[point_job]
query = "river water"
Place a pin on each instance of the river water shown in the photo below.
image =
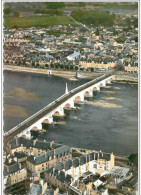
(108, 123)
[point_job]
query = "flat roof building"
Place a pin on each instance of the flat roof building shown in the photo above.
(74, 56)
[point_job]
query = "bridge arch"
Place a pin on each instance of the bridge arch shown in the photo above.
(78, 99)
(95, 88)
(87, 94)
(102, 84)
(56, 113)
(35, 128)
(46, 121)
(67, 105)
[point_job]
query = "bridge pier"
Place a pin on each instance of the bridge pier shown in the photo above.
(98, 88)
(50, 119)
(108, 82)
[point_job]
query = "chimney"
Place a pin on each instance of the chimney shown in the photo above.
(46, 155)
(20, 166)
(64, 165)
(89, 158)
(71, 180)
(86, 158)
(39, 174)
(7, 168)
(53, 170)
(78, 182)
(16, 142)
(15, 159)
(51, 144)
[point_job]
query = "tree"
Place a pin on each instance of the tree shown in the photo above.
(81, 4)
(52, 65)
(133, 158)
(71, 67)
(19, 62)
(62, 66)
(66, 67)
(56, 66)
(97, 32)
(37, 65)
(16, 14)
(42, 35)
(119, 66)
(92, 69)
(115, 32)
(6, 11)
(55, 5)
(24, 62)
(33, 64)
(136, 39)
(121, 39)
(76, 68)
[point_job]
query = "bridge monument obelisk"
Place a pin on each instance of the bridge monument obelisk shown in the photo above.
(66, 91)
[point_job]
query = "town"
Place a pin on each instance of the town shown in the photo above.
(33, 166)
(40, 167)
(74, 47)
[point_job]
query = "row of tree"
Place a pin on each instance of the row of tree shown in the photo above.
(61, 66)
(7, 11)
(56, 66)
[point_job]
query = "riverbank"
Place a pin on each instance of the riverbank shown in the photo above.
(125, 78)
(64, 74)
(120, 77)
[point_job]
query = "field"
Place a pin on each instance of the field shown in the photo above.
(94, 18)
(38, 21)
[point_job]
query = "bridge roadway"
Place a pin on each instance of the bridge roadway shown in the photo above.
(29, 121)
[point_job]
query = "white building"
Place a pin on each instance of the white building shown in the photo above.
(74, 56)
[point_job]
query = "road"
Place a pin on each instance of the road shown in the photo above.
(80, 24)
(31, 120)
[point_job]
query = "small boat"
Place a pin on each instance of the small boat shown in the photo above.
(72, 78)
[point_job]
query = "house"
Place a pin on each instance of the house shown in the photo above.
(97, 65)
(68, 175)
(14, 173)
(46, 160)
(20, 144)
(131, 69)
(74, 56)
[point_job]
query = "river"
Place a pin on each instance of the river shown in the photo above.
(108, 122)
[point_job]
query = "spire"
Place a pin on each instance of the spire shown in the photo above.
(66, 92)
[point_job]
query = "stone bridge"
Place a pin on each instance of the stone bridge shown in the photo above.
(57, 107)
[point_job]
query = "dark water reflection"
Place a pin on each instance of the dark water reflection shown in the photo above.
(94, 127)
